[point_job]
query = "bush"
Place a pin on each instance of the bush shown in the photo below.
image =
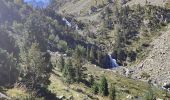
(62, 45)
(149, 95)
(145, 75)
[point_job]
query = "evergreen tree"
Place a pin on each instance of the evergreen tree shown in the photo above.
(95, 88)
(92, 56)
(112, 92)
(88, 53)
(99, 56)
(78, 65)
(8, 68)
(103, 86)
(61, 63)
(36, 69)
(91, 80)
(68, 72)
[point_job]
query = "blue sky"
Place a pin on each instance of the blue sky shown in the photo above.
(38, 3)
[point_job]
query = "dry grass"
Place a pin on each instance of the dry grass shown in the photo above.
(17, 93)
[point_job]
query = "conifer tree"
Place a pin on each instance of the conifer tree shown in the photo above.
(68, 72)
(95, 88)
(61, 63)
(91, 80)
(103, 86)
(92, 56)
(88, 53)
(99, 56)
(36, 70)
(112, 92)
(78, 65)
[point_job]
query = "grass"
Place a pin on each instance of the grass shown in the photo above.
(135, 88)
(167, 5)
(17, 93)
(124, 86)
(82, 6)
(58, 87)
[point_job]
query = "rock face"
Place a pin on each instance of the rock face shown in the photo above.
(157, 64)
(153, 2)
(3, 96)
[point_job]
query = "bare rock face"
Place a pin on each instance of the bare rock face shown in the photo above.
(152, 2)
(3, 96)
(157, 64)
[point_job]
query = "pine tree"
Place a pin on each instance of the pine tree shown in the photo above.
(78, 65)
(112, 92)
(68, 72)
(95, 88)
(88, 53)
(104, 86)
(8, 68)
(36, 66)
(91, 80)
(92, 56)
(99, 56)
(61, 63)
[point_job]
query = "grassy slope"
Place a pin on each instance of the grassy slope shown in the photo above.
(82, 6)
(123, 85)
(135, 88)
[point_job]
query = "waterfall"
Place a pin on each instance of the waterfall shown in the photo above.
(67, 22)
(113, 62)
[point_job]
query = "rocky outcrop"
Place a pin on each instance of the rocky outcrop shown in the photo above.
(152, 2)
(157, 64)
(3, 96)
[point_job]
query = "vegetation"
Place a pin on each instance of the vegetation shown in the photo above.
(61, 63)
(8, 67)
(149, 94)
(35, 40)
(103, 89)
(36, 68)
(95, 88)
(112, 92)
(68, 72)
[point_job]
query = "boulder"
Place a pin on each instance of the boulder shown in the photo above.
(130, 97)
(3, 96)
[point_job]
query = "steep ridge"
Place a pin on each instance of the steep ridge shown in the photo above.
(156, 65)
(80, 7)
(152, 2)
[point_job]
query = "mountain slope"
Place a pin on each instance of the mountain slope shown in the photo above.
(152, 2)
(157, 63)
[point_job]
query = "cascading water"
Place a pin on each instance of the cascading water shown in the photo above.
(67, 22)
(113, 62)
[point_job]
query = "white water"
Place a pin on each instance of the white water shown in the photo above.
(113, 62)
(67, 22)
